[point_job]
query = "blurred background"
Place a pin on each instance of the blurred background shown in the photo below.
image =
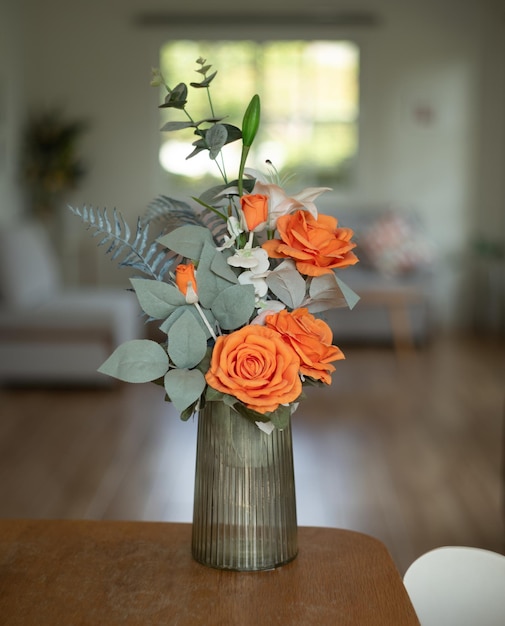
(407, 444)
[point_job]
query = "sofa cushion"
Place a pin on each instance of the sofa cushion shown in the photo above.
(67, 337)
(395, 244)
(23, 247)
(108, 311)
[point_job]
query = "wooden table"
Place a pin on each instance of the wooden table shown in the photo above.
(396, 301)
(93, 573)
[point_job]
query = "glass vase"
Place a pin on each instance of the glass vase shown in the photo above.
(244, 515)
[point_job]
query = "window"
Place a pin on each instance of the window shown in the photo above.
(309, 106)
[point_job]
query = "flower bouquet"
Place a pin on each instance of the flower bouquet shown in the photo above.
(234, 282)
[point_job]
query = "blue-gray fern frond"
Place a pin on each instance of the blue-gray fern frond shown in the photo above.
(167, 214)
(129, 250)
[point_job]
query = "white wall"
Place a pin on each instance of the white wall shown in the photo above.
(444, 57)
(11, 109)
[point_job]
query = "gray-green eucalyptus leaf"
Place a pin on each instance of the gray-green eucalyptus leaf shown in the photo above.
(212, 275)
(170, 126)
(329, 292)
(187, 343)
(136, 361)
(156, 298)
(184, 387)
(234, 306)
(216, 138)
(187, 240)
(287, 284)
(280, 417)
(173, 317)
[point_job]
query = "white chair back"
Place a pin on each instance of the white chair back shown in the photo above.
(458, 586)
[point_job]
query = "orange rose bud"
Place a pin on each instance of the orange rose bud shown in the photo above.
(315, 245)
(311, 339)
(257, 366)
(255, 209)
(185, 275)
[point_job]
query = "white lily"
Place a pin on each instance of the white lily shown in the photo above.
(257, 281)
(254, 259)
(235, 229)
(280, 203)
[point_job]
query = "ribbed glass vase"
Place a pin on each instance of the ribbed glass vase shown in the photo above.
(244, 515)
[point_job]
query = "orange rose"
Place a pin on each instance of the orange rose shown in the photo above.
(255, 210)
(316, 245)
(256, 366)
(184, 275)
(311, 339)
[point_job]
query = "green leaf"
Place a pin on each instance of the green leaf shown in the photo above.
(204, 69)
(187, 343)
(184, 387)
(220, 267)
(190, 308)
(216, 138)
(157, 299)
(351, 297)
(177, 98)
(189, 411)
(287, 284)
(208, 120)
(234, 133)
(280, 417)
(329, 292)
(136, 361)
(234, 306)
(250, 414)
(187, 240)
(229, 400)
(216, 193)
(204, 83)
(213, 395)
(204, 364)
(169, 126)
(200, 145)
(212, 277)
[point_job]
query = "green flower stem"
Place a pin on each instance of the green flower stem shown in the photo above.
(221, 168)
(241, 241)
(210, 100)
(243, 159)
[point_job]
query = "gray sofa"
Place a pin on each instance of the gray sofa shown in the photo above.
(50, 334)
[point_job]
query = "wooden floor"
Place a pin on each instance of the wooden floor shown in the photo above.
(408, 450)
